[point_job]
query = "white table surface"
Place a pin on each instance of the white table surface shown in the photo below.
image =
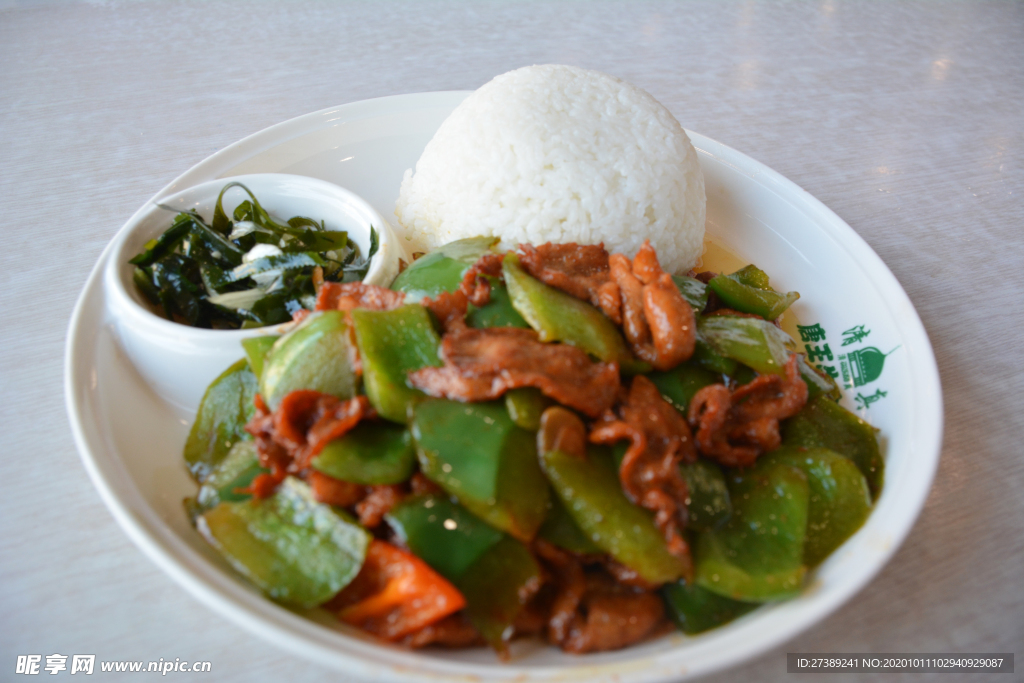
(907, 119)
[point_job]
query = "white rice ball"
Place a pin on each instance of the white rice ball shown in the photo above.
(560, 154)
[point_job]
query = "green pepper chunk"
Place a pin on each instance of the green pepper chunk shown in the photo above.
(296, 550)
(747, 291)
(708, 505)
(557, 316)
(694, 291)
(476, 453)
(560, 529)
(589, 489)
(709, 359)
(441, 270)
(840, 500)
(758, 555)
(753, 342)
(315, 355)
(223, 413)
(256, 351)
(695, 609)
(372, 453)
(825, 424)
(392, 344)
(498, 312)
(236, 471)
(679, 384)
(495, 586)
(818, 383)
(525, 406)
(443, 534)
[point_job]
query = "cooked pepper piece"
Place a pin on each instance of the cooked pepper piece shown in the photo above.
(694, 291)
(557, 316)
(256, 351)
(315, 355)
(679, 384)
(498, 312)
(395, 594)
(695, 609)
(840, 500)
(708, 504)
(227, 481)
(476, 453)
(296, 550)
(444, 534)
(747, 290)
(561, 529)
(709, 359)
(391, 345)
(758, 555)
(818, 383)
(226, 407)
(753, 342)
(586, 481)
(825, 424)
(525, 407)
(373, 453)
(441, 270)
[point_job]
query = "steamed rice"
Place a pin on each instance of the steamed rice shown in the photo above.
(559, 154)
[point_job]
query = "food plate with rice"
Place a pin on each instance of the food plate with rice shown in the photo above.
(130, 440)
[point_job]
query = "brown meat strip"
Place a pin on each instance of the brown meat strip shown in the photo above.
(482, 364)
(337, 296)
(579, 270)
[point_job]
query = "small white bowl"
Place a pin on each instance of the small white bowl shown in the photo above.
(164, 351)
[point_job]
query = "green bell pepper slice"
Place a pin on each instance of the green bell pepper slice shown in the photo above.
(476, 453)
(756, 343)
(557, 316)
(560, 529)
(822, 423)
(372, 453)
(223, 413)
(392, 344)
(840, 500)
(235, 471)
(443, 534)
(695, 609)
(758, 555)
(694, 291)
(708, 505)
(747, 291)
(256, 351)
(525, 406)
(709, 359)
(678, 385)
(589, 489)
(442, 269)
(498, 312)
(315, 355)
(296, 550)
(818, 384)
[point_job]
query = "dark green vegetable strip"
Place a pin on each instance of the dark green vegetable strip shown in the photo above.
(226, 407)
(747, 291)
(494, 588)
(296, 550)
(708, 505)
(694, 291)
(840, 500)
(441, 270)
(392, 344)
(256, 351)
(825, 424)
(695, 609)
(315, 355)
(557, 316)
(374, 452)
(758, 555)
(236, 471)
(476, 453)
(443, 534)
(679, 384)
(525, 407)
(756, 343)
(165, 243)
(589, 489)
(709, 359)
(560, 529)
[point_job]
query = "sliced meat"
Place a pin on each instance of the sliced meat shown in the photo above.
(474, 283)
(377, 503)
(735, 427)
(452, 631)
(339, 296)
(482, 364)
(659, 440)
(579, 270)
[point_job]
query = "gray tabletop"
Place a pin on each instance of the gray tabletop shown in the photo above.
(904, 118)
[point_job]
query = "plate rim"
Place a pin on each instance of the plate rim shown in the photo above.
(301, 636)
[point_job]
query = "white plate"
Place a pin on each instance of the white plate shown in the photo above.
(130, 441)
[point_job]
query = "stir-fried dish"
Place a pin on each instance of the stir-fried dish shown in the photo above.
(554, 441)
